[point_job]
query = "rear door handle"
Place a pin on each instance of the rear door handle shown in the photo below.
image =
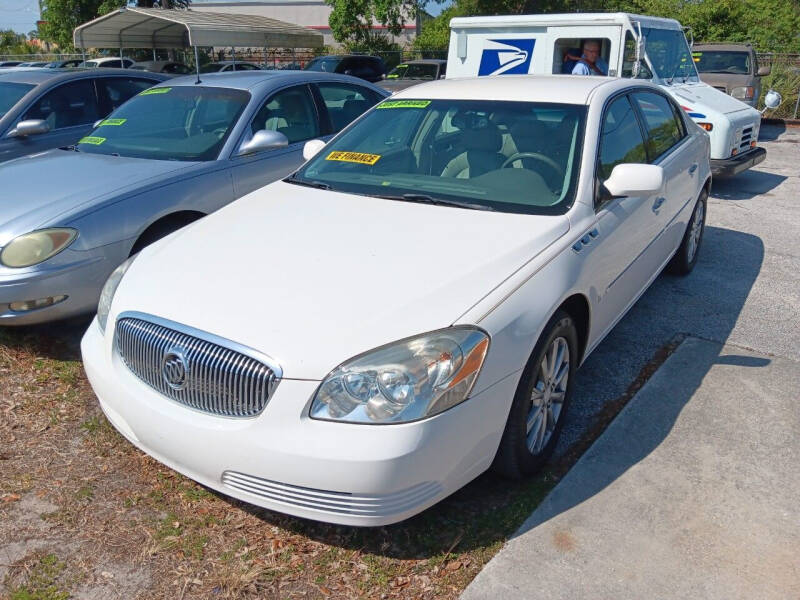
(657, 204)
(692, 169)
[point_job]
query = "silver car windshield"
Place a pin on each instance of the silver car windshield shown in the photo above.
(163, 123)
(413, 71)
(669, 54)
(520, 157)
(10, 94)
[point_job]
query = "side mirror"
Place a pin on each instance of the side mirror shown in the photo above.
(772, 100)
(633, 179)
(764, 71)
(265, 139)
(30, 127)
(312, 148)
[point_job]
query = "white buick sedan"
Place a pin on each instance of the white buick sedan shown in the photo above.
(407, 310)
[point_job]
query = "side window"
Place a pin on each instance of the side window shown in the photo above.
(68, 105)
(246, 67)
(176, 68)
(663, 128)
(115, 91)
(291, 112)
(629, 58)
(345, 102)
(620, 138)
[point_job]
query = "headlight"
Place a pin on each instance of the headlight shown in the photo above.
(404, 381)
(109, 289)
(743, 93)
(37, 246)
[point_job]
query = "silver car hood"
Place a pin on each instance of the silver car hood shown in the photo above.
(39, 189)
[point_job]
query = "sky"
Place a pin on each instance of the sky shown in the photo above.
(19, 15)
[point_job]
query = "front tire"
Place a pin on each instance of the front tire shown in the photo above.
(537, 413)
(686, 257)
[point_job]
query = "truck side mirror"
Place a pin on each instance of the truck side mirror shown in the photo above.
(764, 71)
(772, 100)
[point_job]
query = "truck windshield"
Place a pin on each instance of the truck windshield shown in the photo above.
(669, 54)
(716, 61)
(517, 157)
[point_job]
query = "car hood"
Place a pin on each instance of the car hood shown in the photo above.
(312, 278)
(39, 188)
(727, 80)
(700, 96)
(395, 85)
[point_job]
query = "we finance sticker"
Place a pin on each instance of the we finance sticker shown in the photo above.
(354, 157)
(404, 104)
(112, 122)
(155, 91)
(93, 140)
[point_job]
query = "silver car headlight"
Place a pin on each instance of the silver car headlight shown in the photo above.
(35, 247)
(404, 381)
(745, 92)
(109, 289)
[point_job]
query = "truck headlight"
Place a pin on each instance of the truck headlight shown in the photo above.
(744, 92)
(109, 289)
(404, 381)
(35, 247)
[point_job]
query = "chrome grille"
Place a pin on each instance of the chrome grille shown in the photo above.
(200, 373)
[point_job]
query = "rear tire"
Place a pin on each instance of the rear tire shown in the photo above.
(686, 257)
(540, 403)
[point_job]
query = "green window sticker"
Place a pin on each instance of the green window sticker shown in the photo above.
(115, 122)
(153, 91)
(94, 141)
(404, 104)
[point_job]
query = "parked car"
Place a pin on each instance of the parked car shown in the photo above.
(173, 153)
(69, 63)
(730, 68)
(409, 307)
(9, 63)
(370, 68)
(108, 62)
(44, 108)
(413, 72)
(228, 65)
(35, 64)
(162, 66)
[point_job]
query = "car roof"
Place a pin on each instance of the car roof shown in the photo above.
(563, 89)
(36, 76)
(251, 80)
(425, 61)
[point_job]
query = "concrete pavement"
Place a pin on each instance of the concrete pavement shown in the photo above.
(690, 493)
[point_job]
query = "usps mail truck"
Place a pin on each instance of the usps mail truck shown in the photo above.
(634, 46)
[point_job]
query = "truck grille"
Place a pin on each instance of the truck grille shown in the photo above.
(721, 88)
(746, 138)
(196, 372)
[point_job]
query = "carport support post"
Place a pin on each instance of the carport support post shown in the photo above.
(154, 54)
(197, 64)
(233, 56)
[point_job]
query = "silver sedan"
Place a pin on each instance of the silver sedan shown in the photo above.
(169, 156)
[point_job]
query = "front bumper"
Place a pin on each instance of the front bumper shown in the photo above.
(733, 166)
(282, 460)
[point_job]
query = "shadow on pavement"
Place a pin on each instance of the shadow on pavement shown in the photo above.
(771, 131)
(746, 186)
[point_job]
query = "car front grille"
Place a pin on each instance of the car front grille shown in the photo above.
(202, 374)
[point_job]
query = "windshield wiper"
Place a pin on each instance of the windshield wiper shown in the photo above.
(312, 184)
(425, 199)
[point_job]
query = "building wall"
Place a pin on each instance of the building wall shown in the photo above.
(308, 13)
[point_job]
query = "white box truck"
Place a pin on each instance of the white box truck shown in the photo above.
(634, 46)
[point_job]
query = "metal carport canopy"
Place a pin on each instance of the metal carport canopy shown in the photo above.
(162, 28)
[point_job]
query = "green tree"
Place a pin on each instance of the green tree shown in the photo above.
(12, 42)
(62, 16)
(351, 21)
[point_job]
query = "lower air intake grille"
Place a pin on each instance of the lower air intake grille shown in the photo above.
(198, 373)
(342, 503)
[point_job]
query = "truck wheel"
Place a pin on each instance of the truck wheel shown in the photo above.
(685, 258)
(540, 403)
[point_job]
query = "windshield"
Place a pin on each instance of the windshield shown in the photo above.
(10, 94)
(413, 71)
(519, 157)
(718, 61)
(162, 123)
(669, 54)
(327, 64)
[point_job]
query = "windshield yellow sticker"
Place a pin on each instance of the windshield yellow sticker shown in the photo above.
(153, 91)
(115, 122)
(94, 141)
(404, 104)
(354, 157)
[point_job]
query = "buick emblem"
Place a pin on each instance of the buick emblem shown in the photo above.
(175, 368)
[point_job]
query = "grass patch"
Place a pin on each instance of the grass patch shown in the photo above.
(43, 581)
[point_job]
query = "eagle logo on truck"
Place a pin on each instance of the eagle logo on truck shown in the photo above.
(506, 57)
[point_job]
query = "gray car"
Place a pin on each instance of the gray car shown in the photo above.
(413, 72)
(47, 108)
(172, 154)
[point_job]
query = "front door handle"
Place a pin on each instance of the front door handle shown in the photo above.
(692, 169)
(657, 204)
